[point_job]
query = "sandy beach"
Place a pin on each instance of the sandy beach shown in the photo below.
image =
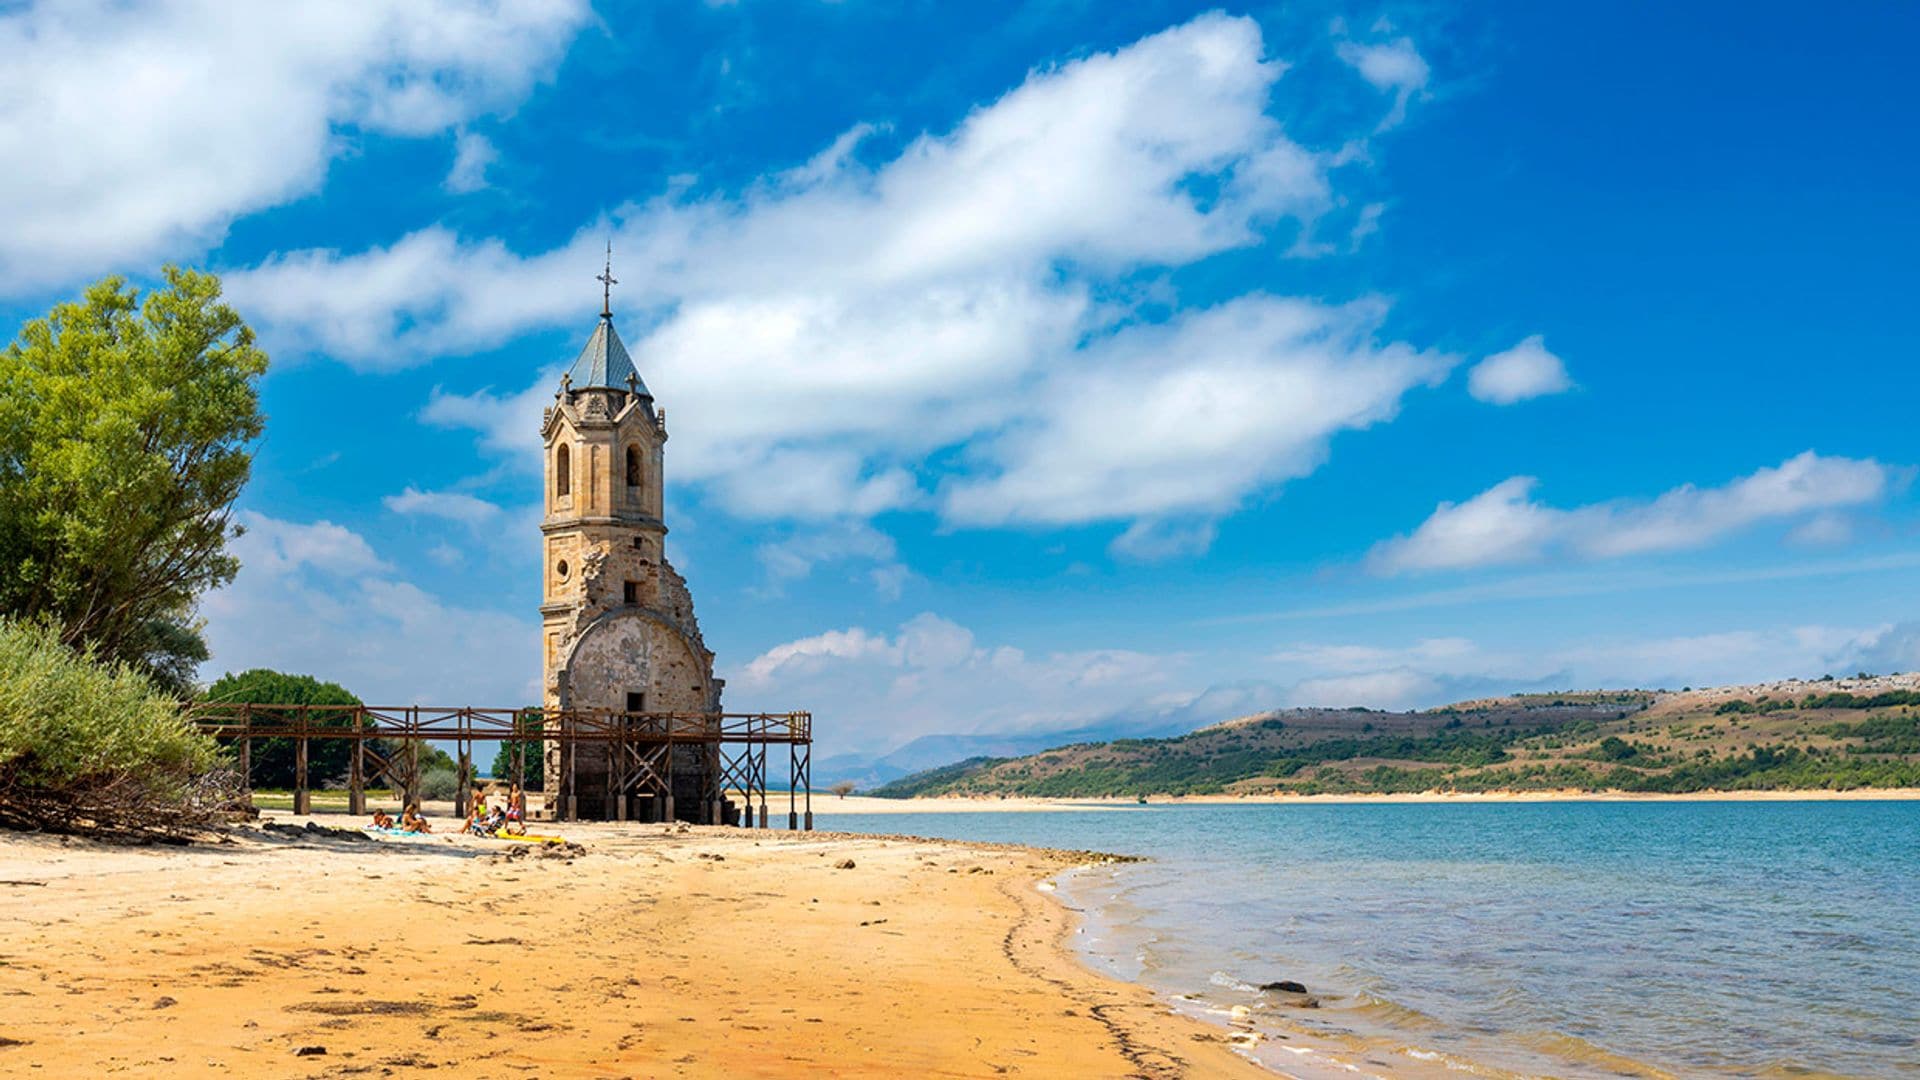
(653, 951)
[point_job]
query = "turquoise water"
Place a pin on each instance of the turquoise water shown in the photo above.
(1566, 938)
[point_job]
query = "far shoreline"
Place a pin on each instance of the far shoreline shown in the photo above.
(962, 804)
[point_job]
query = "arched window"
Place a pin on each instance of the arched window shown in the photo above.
(562, 471)
(633, 466)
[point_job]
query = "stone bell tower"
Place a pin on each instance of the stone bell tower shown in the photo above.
(618, 631)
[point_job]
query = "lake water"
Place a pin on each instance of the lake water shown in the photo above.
(1564, 938)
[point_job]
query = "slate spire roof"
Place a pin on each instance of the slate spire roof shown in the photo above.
(605, 363)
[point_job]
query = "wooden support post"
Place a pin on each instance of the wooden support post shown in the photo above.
(666, 804)
(462, 798)
(356, 772)
(246, 764)
(572, 751)
(763, 785)
(413, 769)
(302, 798)
(793, 769)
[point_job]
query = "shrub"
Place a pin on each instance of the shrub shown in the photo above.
(86, 745)
(1615, 748)
(439, 784)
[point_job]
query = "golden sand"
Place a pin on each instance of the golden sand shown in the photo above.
(657, 952)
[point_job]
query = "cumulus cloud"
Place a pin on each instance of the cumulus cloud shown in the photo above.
(1881, 650)
(1504, 524)
(1525, 371)
(796, 555)
(1260, 386)
(829, 331)
(1442, 670)
(472, 154)
(451, 505)
(1393, 67)
(1156, 540)
(278, 547)
(314, 598)
(932, 676)
(151, 126)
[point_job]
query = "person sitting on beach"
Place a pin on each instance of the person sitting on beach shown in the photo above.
(412, 822)
(476, 810)
(382, 819)
(482, 822)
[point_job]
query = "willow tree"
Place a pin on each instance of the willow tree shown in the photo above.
(126, 431)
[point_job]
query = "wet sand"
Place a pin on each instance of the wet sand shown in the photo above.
(655, 952)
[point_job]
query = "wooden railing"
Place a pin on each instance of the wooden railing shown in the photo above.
(638, 750)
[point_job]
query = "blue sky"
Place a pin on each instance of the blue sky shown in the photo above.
(1033, 366)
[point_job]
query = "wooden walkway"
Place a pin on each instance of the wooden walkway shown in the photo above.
(639, 749)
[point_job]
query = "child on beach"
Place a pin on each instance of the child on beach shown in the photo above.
(412, 822)
(476, 809)
(382, 819)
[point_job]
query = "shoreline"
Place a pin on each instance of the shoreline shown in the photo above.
(649, 950)
(825, 809)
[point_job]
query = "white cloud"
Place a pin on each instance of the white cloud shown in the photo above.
(1095, 162)
(151, 126)
(796, 555)
(933, 677)
(1394, 67)
(831, 329)
(809, 654)
(472, 154)
(1504, 524)
(1444, 670)
(1525, 371)
(1823, 530)
(277, 547)
(1157, 540)
(1355, 659)
(451, 505)
(1499, 525)
(1190, 417)
(890, 580)
(1882, 650)
(1392, 689)
(315, 599)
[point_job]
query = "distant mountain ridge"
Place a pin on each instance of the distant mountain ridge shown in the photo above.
(1788, 735)
(931, 751)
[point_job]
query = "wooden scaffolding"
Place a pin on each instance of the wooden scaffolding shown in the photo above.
(639, 751)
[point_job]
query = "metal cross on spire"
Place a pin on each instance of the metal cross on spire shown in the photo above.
(607, 282)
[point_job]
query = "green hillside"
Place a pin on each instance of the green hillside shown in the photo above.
(1828, 735)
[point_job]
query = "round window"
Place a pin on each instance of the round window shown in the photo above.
(561, 569)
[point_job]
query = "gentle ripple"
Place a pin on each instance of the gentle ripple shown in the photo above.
(1571, 938)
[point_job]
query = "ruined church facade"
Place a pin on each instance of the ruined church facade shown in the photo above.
(618, 632)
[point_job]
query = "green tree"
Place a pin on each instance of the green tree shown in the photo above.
(327, 759)
(523, 760)
(126, 428)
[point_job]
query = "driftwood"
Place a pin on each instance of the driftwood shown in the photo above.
(122, 803)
